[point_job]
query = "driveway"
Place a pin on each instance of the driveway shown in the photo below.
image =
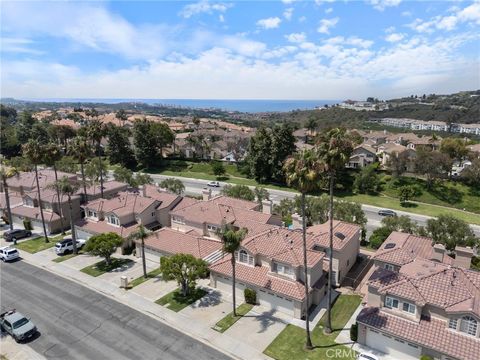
(154, 289)
(257, 329)
(209, 309)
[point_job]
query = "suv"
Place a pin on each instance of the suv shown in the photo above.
(214, 184)
(385, 212)
(66, 245)
(8, 253)
(17, 325)
(16, 234)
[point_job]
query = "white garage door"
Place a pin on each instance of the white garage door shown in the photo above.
(276, 302)
(396, 348)
(82, 234)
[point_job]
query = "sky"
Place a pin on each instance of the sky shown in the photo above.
(238, 49)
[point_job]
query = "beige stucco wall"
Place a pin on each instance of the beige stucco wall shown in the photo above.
(344, 260)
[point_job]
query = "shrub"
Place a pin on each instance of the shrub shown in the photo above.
(354, 332)
(378, 237)
(426, 357)
(27, 224)
(250, 296)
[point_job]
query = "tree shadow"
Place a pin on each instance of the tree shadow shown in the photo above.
(222, 178)
(448, 194)
(408, 204)
(213, 298)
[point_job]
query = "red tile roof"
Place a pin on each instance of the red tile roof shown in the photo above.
(98, 227)
(34, 213)
(45, 177)
(166, 199)
(321, 233)
(125, 203)
(430, 333)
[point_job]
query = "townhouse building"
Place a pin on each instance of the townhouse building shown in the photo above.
(421, 301)
(363, 155)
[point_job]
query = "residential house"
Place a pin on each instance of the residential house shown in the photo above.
(421, 301)
(376, 137)
(110, 188)
(363, 155)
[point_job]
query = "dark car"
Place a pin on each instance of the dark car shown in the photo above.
(16, 234)
(385, 212)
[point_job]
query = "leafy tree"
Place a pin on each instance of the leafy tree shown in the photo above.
(283, 145)
(433, 164)
(122, 116)
(397, 163)
(142, 178)
(68, 188)
(67, 164)
(61, 134)
(185, 269)
(103, 245)
(285, 209)
(231, 240)
(7, 172)
(239, 192)
(302, 172)
(238, 147)
(9, 143)
(119, 150)
(218, 168)
(451, 231)
(24, 126)
(141, 234)
(96, 170)
(258, 158)
(52, 154)
(34, 152)
(378, 236)
(173, 185)
(81, 151)
(95, 132)
(471, 174)
(21, 163)
(408, 192)
(334, 149)
(261, 194)
(455, 148)
(149, 139)
(311, 124)
(123, 174)
(401, 223)
(39, 132)
(367, 180)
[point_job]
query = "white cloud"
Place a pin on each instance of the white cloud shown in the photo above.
(390, 29)
(203, 6)
(302, 19)
(18, 45)
(269, 23)
(381, 5)
(406, 13)
(394, 37)
(296, 37)
(287, 14)
(328, 11)
(221, 18)
(288, 2)
(327, 24)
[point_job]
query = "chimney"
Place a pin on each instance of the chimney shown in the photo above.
(438, 252)
(144, 190)
(296, 221)
(267, 206)
(463, 257)
(207, 194)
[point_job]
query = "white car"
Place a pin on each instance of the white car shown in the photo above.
(66, 245)
(214, 184)
(366, 356)
(8, 253)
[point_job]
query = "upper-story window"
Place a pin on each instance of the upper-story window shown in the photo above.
(212, 227)
(178, 220)
(112, 219)
(452, 324)
(389, 267)
(282, 269)
(92, 214)
(28, 202)
(391, 302)
(468, 325)
(244, 257)
(410, 308)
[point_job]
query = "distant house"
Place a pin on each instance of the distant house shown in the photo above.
(363, 155)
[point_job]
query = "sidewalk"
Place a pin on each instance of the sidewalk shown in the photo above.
(13, 351)
(223, 342)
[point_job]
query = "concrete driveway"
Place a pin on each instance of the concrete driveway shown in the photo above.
(209, 309)
(257, 329)
(154, 289)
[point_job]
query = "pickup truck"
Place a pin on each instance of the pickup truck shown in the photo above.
(17, 325)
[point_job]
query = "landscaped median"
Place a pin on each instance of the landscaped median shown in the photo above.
(289, 344)
(101, 267)
(140, 280)
(37, 244)
(175, 301)
(224, 324)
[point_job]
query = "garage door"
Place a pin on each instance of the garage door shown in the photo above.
(276, 302)
(82, 234)
(394, 347)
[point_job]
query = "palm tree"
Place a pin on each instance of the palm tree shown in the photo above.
(81, 151)
(333, 149)
(141, 234)
(68, 188)
(53, 154)
(303, 172)
(231, 239)
(34, 151)
(95, 132)
(6, 173)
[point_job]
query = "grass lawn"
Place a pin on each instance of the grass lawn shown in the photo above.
(38, 244)
(289, 343)
(229, 320)
(63, 258)
(140, 280)
(176, 302)
(101, 267)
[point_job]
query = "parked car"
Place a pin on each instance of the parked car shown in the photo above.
(66, 245)
(16, 234)
(214, 184)
(8, 253)
(366, 356)
(17, 325)
(386, 212)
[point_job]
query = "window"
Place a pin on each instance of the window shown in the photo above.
(389, 267)
(112, 219)
(282, 269)
(468, 325)
(212, 227)
(410, 308)
(244, 257)
(153, 214)
(92, 214)
(391, 302)
(452, 324)
(28, 202)
(178, 220)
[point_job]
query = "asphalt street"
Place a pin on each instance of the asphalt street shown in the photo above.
(77, 323)
(195, 186)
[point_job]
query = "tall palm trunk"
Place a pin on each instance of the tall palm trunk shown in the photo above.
(144, 264)
(72, 225)
(7, 200)
(233, 285)
(84, 182)
(308, 344)
(58, 199)
(101, 170)
(40, 205)
(328, 327)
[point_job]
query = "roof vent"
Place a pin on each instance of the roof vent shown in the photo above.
(390, 246)
(340, 235)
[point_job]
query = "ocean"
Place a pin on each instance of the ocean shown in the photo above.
(228, 105)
